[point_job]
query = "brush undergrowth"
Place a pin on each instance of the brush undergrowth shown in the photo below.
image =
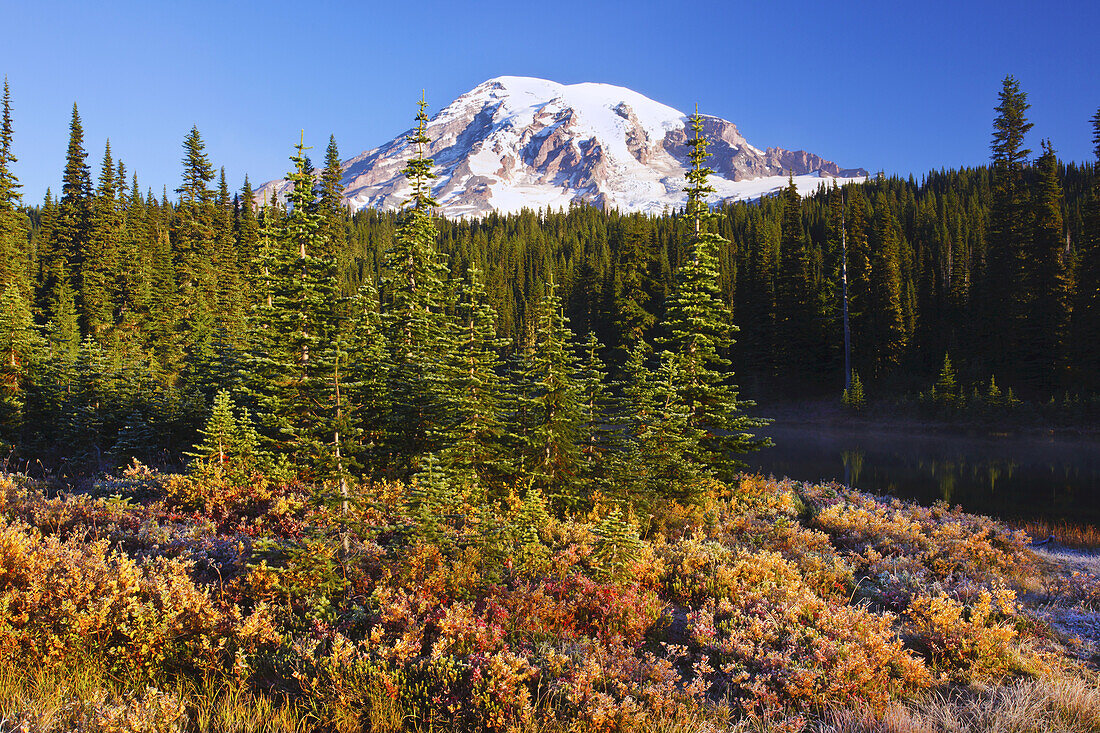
(171, 603)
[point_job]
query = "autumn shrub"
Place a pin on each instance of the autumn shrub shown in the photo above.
(901, 549)
(966, 642)
(1077, 588)
(771, 642)
(64, 600)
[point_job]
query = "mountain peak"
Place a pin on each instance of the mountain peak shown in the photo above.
(517, 142)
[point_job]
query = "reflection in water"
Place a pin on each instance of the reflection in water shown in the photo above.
(853, 466)
(1011, 477)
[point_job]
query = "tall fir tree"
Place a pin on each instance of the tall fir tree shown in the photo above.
(193, 248)
(72, 220)
(700, 330)
(299, 372)
(474, 432)
(794, 291)
(14, 264)
(1049, 312)
(548, 418)
(657, 456)
(1006, 288)
(633, 285)
(414, 309)
(230, 301)
(331, 205)
(1085, 322)
(99, 258)
(887, 320)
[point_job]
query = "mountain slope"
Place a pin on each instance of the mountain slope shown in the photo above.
(515, 142)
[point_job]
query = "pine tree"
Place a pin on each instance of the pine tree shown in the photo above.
(633, 285)
(946, 388)
(14, 265)
(228, 438)
(99, 258)
(657, 459)
(887, 321)
(72, 219)
(431, 501)
(860, 300)
(230, 303)
(474, 431)
(595, 403)
(367, 380)
(414, 317)
(700, 330)
(794, 290)
(1048, 274)
(617, 545)
(547, 423)
(193, 247)
(331, 205)
(134, 265)
(1006, 289)
(246, 233)
(1086, 305)
(20, 348)
(301, 357)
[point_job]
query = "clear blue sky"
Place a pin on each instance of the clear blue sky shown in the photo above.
(901, 87)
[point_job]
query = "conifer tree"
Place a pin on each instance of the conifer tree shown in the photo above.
(657, 460)
(134, 265)
(227, 438)
(193, 247)
(230, 305)
(1005, 286)
(300, 366)
(887, 320)
(415, 321)
(331, 205)
(700, 330)
(99, 258)
(633, 285)
(474, 431)
(794, 313)
(20, 348)
(860, 301)
(246, 233)
(617, 545)
(548, 409)
(946, 388)
(14, 265)
(1048, 274)
(595, 403)
(72, 219)
(1086, 304)
(367, 381)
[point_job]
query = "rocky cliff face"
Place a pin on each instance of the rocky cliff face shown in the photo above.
(516, 142)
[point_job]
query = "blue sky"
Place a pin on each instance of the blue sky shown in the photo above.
(900, 87)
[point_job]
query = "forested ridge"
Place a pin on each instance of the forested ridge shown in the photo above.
(125, 312)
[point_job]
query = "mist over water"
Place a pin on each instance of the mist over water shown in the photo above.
(1017, 477)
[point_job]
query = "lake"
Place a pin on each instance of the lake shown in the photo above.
(1016, 477)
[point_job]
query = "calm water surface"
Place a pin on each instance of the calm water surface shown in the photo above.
(1021, 476)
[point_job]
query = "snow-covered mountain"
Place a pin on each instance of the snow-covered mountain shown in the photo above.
(515, 142)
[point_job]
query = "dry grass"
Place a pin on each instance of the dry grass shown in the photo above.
(232, 708)
(45, 700)
(1079, 536)
(1059, 705)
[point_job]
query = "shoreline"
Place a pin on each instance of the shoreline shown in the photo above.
(904, 420)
